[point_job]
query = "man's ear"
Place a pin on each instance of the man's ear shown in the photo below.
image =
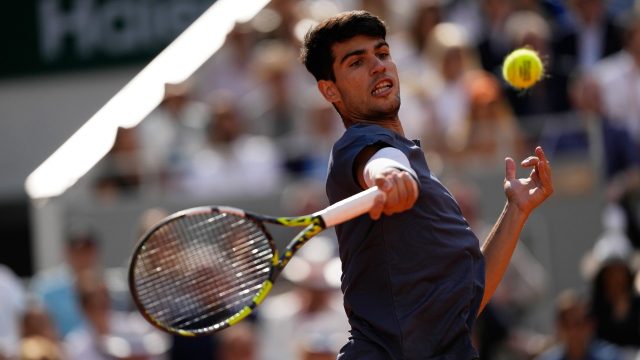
(329, 90)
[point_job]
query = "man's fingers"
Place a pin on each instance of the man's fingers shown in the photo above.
(510, 169)
(383, 183)
(412, 190)
(393, 199)
(540, 154)
(381, 199)
(544, 170)
(402, 190)
(378, 206)
(530, 161)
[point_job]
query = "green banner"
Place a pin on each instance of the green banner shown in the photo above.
(54, 35)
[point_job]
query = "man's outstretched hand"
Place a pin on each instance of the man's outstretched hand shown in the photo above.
(527, 193)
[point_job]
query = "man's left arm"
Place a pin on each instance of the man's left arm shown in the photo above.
(523, 196)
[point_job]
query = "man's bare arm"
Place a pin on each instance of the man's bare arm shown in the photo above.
(523, 196)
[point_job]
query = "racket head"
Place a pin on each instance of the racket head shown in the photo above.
(201, 270)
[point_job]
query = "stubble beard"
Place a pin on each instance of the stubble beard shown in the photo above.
(386, 112)
(370, 112)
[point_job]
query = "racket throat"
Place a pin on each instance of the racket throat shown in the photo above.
(307, 233)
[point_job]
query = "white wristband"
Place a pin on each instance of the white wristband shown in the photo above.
(383, 159)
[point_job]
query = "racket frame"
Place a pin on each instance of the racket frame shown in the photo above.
(313, 225)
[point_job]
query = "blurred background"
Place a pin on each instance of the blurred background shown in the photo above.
(248, 128)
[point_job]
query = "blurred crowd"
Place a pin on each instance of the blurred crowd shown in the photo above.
(250, 123)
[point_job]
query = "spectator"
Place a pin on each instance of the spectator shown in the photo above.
(612, 243)
(55, 287)
(588, 130)
(494, 44)
(171, 135)
(12, 306)
(109, 334)
(417, 71)
(454, 57)
(230, 69)
(619, 77)
(465, 13)
(616, 306)
(490, 131)
(594, 36)
(380, 8)
(307, 150)
(554, 11)
(274, 107)
(427, 15)
(120, 170)
(289, 14)
(575, 333)
(238, 343)
(233, 163)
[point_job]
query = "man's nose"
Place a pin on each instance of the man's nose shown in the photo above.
(377, 66)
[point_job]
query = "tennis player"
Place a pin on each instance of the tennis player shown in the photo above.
(414, 276)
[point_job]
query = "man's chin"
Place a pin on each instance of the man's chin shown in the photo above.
(389, 111)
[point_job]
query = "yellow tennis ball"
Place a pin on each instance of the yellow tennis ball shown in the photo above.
(522, 68)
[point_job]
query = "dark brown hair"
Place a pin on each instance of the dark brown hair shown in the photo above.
(316, 52)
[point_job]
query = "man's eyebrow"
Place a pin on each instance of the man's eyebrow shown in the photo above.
(380, 44)
(356, 52)
(350, 54)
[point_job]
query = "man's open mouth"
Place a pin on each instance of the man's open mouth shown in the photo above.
(381, 87)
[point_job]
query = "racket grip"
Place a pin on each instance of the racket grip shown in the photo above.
(350, 207)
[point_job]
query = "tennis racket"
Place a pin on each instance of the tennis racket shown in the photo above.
(204, 269)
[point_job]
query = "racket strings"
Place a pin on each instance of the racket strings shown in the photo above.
(216, 262)
(195, 281)
(256, 266)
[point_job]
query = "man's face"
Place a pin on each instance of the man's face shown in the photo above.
(366, 85)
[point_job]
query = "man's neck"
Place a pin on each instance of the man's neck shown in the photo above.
(392, 124)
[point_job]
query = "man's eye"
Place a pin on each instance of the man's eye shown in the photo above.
(383, 55)
(356, 63)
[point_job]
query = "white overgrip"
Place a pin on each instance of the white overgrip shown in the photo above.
(350, 207)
